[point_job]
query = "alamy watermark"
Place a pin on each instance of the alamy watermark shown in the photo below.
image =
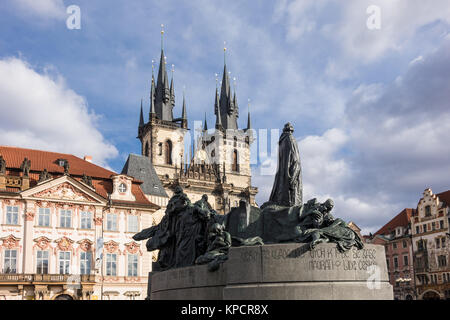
(374, 280)
(73, 22)
(374, 20)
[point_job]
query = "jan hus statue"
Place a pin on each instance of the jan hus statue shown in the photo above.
(287, 186)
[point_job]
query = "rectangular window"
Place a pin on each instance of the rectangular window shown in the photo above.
(132, 265)
(404, 244)
(10, 261)
(65, 218)
(427, 211)
(405, 261)
(433, 226)
(85, 262)
(111, 222)
(12, 215)
(442, 261)
(438, 243)
(441, 224)
(417, 230)
(86, 220)
(42, 262)
(44, 217)
(395, 262)
(111, 264)
(133, 223)
(64, 262)
(443, 242)
(394, 245)
(424, 228)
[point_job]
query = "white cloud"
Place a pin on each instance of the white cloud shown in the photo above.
(42, 8)
(40, 112)
(346, 23)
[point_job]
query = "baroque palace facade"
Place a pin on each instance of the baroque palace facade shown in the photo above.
(66, 225)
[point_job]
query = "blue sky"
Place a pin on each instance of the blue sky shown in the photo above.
(370, 107)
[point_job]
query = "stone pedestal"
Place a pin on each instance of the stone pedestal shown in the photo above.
(282, 271)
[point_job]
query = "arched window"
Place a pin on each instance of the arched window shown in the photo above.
(146, 151)
(168, 150)
(235, 164)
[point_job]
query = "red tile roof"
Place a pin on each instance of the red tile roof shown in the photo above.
(402, 219)
(445, 197)
(40, 160)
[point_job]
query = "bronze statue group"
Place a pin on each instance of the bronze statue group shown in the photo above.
(190, 234)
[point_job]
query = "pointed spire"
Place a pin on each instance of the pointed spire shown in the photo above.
(217, 111)
(205, 125)
(141, 118)
(249, 125)
(172, 92)
(183, 113)
(162, 93)
(152, 96)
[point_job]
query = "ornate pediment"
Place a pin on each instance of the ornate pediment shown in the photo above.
(64, 244)
(10, 242)
(133, 248)
(85, 244)
(42, 242)
(64, 191)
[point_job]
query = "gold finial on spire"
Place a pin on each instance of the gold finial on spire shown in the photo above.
(217, 79)
(224, 51)
(165, 60)
(234, 83)
(173, 69)
(162, 35)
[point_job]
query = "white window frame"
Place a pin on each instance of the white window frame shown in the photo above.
(85, 262)
(86, 220)
(43, 214)
(111, 222)
(67, 216)
(40, 260)
(8, 259)
(133, 265)
(12, 215)
(64, 259)
(135, 223)
(111, 264)
(122, 187)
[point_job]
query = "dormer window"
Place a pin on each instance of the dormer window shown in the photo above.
(61, 162)
(122, 188)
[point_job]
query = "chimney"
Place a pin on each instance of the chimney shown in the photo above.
(88, 158)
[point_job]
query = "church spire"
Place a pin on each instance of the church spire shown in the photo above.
(226, 102)
(249, 125)
(172, 89)
(217, 111)
(163, 107)
(184, 114)
(141, 118)
(152, 95)
(205, 124)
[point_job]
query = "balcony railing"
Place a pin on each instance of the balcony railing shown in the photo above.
(61, 278)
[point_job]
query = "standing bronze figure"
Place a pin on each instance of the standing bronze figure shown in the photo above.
(287, 187)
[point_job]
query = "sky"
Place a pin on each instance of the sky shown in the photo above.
(367, 92)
